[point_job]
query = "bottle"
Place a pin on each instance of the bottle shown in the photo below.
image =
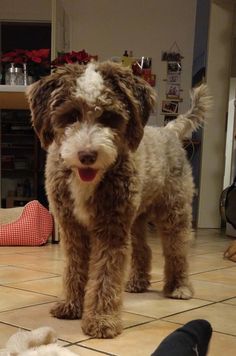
(127, 60)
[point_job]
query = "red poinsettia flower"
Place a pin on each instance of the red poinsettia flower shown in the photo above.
(36, 59)
(25, 56)
(81, 57)
(43, 53)
(8, 57)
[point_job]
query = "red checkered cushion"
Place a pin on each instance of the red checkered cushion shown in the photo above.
(32, 228)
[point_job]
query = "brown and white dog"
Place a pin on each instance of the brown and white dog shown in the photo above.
(105, 177)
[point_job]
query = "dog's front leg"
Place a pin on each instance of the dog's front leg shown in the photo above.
(175, 231)
(76, 246)
(103, 298)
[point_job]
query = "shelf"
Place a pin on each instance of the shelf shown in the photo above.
(12, 88)
(13, 97)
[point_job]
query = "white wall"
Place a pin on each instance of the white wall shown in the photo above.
(108, 27)
(213, 145)
(27, 10)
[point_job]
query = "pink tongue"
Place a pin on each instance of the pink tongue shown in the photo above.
(87, 174)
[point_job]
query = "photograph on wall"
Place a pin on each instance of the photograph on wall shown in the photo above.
(169, 106)
(173, 78)
(172, 91)
(173, 67)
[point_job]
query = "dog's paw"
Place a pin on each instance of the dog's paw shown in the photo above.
(66, 310)
(102, 326)
(230, 253)
(182, 292)
(137, 285)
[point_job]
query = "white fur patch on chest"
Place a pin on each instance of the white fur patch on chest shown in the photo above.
(90, 84)
(80, 194)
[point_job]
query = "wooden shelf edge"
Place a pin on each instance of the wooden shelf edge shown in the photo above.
(13, 100)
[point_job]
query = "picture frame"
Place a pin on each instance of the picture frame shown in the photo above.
(170, 107)
(173, 78)
(174, 67)
(173, 91)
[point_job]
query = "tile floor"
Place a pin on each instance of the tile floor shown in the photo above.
(30, 282)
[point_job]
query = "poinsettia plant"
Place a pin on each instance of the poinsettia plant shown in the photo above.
(80, 57)
(20, 56)
(37, 60)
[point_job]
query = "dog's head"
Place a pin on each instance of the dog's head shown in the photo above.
(92, 113)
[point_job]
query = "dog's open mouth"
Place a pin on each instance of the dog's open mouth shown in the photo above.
(87, 174)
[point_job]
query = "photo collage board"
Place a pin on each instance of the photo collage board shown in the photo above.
(170, 105)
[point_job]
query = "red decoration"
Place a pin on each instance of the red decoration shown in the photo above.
(20, 56)
(81, 57)
(37, 61)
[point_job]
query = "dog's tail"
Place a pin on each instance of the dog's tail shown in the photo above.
(195, 117)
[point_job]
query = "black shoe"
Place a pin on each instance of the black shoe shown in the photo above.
(192, 339)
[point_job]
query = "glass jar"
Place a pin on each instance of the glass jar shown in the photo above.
(14, 76)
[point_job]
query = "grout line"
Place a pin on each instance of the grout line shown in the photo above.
(223, 301)
(142, 323)
(57, 259)
(25, 307)
(30, 269)
(211, 270)
(15, 326)
(195, 308)
(27, 290)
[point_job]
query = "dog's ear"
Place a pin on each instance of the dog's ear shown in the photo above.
(137, 96)
(39, 96)
(141, 109)
(46, 95)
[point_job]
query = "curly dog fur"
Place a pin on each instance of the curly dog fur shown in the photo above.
(105, 176)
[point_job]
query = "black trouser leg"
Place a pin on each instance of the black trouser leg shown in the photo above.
(192, 339)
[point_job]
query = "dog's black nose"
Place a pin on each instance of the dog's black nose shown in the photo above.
(87, 157)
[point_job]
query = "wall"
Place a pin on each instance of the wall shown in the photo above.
(26, 10)
(108, 27)
(213, 146)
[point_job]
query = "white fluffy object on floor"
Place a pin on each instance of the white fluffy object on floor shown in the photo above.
(38, 342)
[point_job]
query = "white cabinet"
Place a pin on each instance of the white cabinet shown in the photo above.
(230, 146)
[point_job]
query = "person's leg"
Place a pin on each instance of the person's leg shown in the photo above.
(192, 339)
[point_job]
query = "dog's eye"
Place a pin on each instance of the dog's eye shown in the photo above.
(111, 119)
(68, 118)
